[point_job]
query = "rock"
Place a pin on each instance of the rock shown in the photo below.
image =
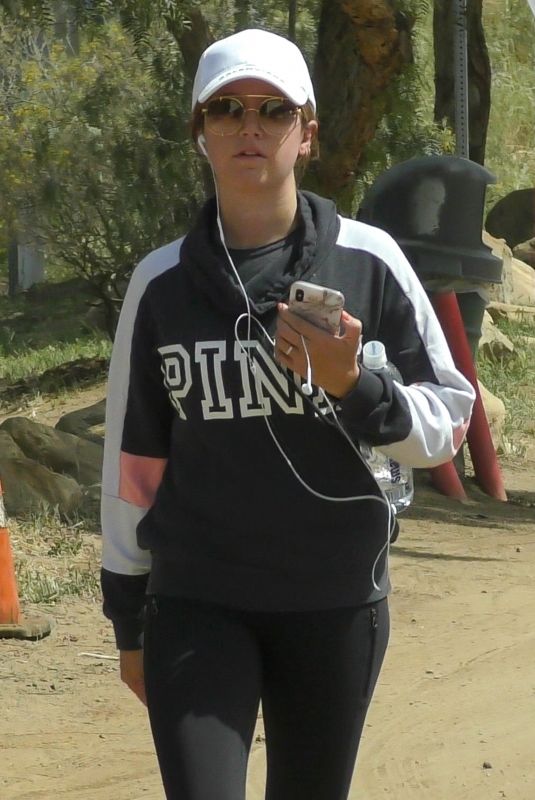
(90, 503)
(526, 252)
(509, 311)
(43, 467)
(60, 452)
(493, 343)
(31, 487)
(495, 413)
(523, 284)
(80, 422)
(8, 448)
(518, 279)
(528, 341)
(500, 291)
(513, 217)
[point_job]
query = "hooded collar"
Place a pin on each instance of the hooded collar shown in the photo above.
(203, 256)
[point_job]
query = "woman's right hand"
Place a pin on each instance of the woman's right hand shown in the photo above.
(131, 666)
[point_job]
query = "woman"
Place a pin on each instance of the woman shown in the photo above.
(236, 508)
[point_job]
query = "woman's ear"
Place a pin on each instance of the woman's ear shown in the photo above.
(310, 131)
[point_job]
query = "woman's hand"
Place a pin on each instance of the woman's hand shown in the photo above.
(131, 666)
(333, 359)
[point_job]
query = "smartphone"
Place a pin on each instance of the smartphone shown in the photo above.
(317, 304)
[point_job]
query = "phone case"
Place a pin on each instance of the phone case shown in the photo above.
(317, 304)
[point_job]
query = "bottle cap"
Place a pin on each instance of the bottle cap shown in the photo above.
(374, 355)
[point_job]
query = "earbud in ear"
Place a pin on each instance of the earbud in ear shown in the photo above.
(201, 144)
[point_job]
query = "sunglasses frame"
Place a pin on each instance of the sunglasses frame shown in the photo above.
(296, 111)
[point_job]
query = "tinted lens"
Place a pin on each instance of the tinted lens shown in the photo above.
(277, 115)
(224, 115)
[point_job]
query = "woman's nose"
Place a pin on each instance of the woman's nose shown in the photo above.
(250, 121)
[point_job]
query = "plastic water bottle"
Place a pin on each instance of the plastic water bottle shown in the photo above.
(396, 480)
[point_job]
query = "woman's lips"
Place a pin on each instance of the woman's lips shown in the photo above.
(249, 154)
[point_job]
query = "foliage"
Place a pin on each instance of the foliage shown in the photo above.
(97, 158)
(511, 138)
(106, 171)
(408, 129)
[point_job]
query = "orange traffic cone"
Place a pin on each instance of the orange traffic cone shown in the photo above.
(9, 599)
(12, 625)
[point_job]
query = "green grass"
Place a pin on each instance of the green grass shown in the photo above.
(26, 363)
(45, 328)
(512, 379)
(510, 34)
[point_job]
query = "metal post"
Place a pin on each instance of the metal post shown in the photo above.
(460, 46)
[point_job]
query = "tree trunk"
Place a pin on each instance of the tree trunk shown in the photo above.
(479, 73)
(192, 41)
(292, 19)
(362, 46)
(242, 14)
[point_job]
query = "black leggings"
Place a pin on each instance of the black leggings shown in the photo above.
(207, 668)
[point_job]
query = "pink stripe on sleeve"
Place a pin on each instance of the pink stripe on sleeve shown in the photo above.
(140, 479)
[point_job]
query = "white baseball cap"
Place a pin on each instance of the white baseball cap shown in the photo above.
(254, 54)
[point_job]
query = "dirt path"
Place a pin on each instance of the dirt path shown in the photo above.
(452, 718)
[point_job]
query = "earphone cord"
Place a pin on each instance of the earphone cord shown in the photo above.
(306, 390)
(330, 498)
(237, 274)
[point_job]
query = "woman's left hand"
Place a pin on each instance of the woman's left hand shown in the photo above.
(333, 358)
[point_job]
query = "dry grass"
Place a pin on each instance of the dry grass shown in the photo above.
(513, 380)
(54, 558)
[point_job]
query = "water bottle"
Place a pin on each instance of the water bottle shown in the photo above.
(396, 480)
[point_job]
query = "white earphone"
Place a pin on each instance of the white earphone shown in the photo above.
(307, 387)
(201, 144)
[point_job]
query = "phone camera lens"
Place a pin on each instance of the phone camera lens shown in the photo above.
(299, 295)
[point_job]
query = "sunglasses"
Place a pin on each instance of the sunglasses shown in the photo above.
(224, 116)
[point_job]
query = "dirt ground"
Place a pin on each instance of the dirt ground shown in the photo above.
(453, 715)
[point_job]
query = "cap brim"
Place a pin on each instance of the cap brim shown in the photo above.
(296, 94)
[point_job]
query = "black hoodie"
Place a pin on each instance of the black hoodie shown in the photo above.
(196, 492)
